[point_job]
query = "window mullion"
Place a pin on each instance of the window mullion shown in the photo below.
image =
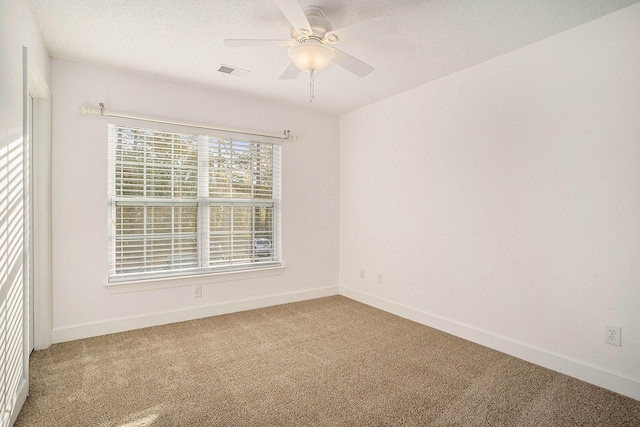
(204, 209)
(144, 170)
(173, 232)
(252, 169)
(144, 235)
(253, 225)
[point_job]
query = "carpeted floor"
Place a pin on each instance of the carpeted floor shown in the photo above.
(325, 362)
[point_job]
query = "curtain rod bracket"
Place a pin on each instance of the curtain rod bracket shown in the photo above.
(101, 108)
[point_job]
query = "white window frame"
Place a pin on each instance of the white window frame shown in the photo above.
(203, 203)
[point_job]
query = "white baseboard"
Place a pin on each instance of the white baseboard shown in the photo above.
(597, 375)
(87, 330)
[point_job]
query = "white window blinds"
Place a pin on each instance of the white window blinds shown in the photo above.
(183, 204)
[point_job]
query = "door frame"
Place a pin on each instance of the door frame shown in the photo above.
(40, 195)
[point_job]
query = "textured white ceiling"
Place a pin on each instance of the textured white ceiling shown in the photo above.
(182, 40)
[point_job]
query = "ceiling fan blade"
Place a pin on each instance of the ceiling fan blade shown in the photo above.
(253, 43)
(352, 64)
(380, 26)
(290, 73)
(292, 10)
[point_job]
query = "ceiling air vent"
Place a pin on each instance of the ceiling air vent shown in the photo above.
(234, 71)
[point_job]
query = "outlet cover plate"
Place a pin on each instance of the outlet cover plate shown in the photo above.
(612, 334)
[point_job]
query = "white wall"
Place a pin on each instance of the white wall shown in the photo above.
(17, 29)
(82, 305)
(501, 203)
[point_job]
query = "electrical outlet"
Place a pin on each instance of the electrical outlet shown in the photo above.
(197, 291)
(362, 273)
(612, 334)
(380, 281)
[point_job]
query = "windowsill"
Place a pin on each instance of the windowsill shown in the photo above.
(200, 279)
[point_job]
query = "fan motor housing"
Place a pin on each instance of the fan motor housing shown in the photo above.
(319, 25)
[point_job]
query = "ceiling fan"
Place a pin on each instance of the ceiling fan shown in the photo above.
(312, 39)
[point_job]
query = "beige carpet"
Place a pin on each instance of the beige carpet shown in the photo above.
(325, 362)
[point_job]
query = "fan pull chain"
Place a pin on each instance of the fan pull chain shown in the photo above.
(312, 83)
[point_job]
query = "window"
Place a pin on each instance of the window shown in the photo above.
(182, 204)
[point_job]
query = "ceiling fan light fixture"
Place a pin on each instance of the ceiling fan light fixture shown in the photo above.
(311, 56)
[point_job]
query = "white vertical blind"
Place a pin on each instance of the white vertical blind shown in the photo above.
(183, 203)
(12, 292)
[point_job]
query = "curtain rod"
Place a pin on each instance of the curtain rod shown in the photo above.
(88, 110)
